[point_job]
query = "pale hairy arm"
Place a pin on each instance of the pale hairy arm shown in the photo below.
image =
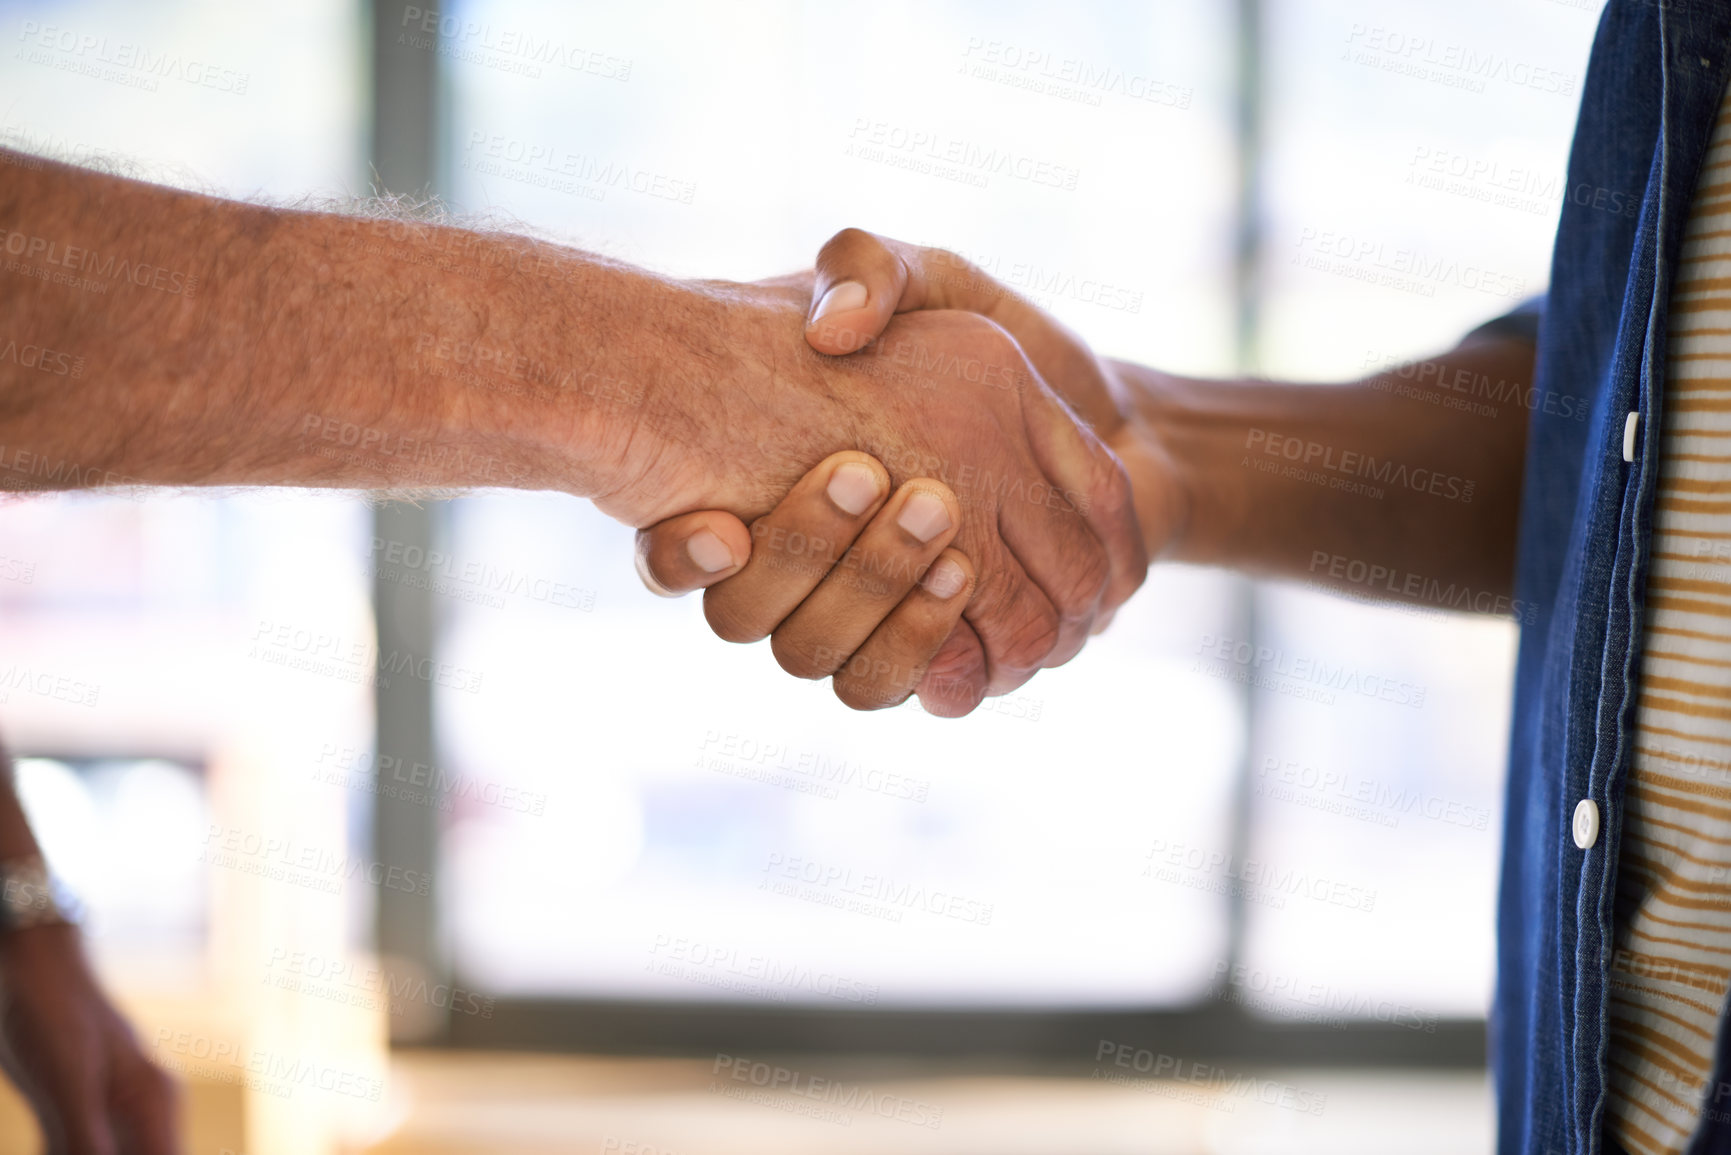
(211, 342)
(208, 341)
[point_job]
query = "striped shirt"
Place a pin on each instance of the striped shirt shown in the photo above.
(1672, 962)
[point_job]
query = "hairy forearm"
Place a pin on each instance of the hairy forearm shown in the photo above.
(161, 337)
(1398, 486)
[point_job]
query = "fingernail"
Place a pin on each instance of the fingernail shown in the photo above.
(945, 580)
(708, 551)
(924, 515)
(853, 487)
(839, 299)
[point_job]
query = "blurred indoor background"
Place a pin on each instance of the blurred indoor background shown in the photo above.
(631, 889)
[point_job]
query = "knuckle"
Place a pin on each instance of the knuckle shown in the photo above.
(957, 665)
(902, 637)
(730, 621)
(1019, 630)
(865, 694)
(949, 259)
(804, 659)
(1026, 644)
(956, 687)
(1109, 489)
(979, 328)
(846, 241)
(1079, 586)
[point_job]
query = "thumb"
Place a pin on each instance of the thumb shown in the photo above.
(691, 551)
(861, 281)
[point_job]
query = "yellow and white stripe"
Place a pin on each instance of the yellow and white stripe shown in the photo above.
(1672, 965)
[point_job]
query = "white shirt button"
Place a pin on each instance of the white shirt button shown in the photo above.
(1586, 823)
(1631, 424)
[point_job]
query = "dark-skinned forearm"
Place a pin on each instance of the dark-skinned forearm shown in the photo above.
(1405, 485)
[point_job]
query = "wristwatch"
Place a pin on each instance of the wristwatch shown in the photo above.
(30, 896)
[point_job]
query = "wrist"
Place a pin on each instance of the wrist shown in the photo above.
(736, 410)
(1171, 450)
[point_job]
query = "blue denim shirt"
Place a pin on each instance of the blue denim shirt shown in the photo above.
(1653, 90)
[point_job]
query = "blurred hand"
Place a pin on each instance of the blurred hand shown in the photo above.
(72, 1055)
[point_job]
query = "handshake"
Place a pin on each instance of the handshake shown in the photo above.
(908, 477)
(905, 475)
(982, 522)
